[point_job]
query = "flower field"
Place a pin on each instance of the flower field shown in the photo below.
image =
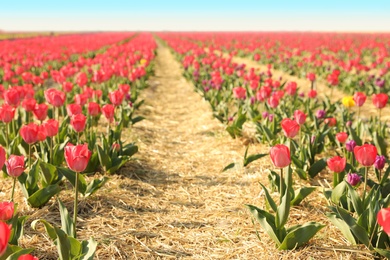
(195, 146)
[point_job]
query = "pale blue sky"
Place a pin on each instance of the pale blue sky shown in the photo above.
(217, 15)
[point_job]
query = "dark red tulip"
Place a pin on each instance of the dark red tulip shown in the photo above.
(280, 155)
(365, 154)
(290, 127)
(336, 164)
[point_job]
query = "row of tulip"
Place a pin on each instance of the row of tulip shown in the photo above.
(59, 122)
(302, 130)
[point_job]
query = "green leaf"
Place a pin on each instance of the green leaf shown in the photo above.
(88, 249)
(16, 255)
(48, 173)
(300, 235)
(75, 248)
(63, 244)
(379, 142)
(283, 211)
(17, 228)
(356, 201)
(228, 167)
(137, 119)
(130, 150)
(342, 226)
(317, 167)
(49, 228)
(71, 177)
(253, 157)
(267, 222)
(105, 160)
(42, 196)
(269, 200)
(338, 192)
(94, 185)
(356, 229)
(383, 252)
(301, 194)
(66, 220)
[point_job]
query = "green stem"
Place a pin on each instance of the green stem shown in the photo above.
(51, 150)
(281, 190)
(365, 184)
(29, 156)
(336, 180)
(6, 137)
(13, 190)
(76, 187)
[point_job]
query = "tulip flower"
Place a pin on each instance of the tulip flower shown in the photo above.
(342, 137)
(7, 113)
(29, 133)
(116, 97)
(93, 109)
(108, 111)
(2, 157)
(81, 99)
(350, 145)
(239, 92)
(77, 158)
(353, 179)
(383, 218)
(27, 257)
(320, 114)
(359, 98)
(366, 156)
(5, 233)
(55, 97)
(312, 94)
(78, 122)
(74, 109)
(337, 165)
(12, 97)
(280, 156)
(273, 102)
(300, 117)
(291, 88)
(6, 211)
(51, 127)
(348, 101)
(379, 164)
(330, 121)
(40, 111)
(15, 167)
(290, 127)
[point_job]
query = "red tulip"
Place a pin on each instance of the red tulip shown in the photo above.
(239, 92)
(311, 76)
(77, 156)
(2, 157)
(55, 97)
(290, 127)
(81, 99)
(15, 165)
(336, 164)
(41, 133)
(29, 104)
(291, 88)
(273, 102)
(67, 86)
(365, 154)
(264, 93)
(6, 211)
(29, 133)
(116, 97)
(108, 111)
(280, 155)
(40, 111)
(125, 88)
(383, 218)
(5, 232)
(78, 122)
(342, 137)
(12, 97)
(359, 98)
(51, 127)
(300, 117)
(73, 109)
(93, 109)
(330, 121)
(312, 93)
(27, 257)
(7, 113)
(380, 100)
(82, 79)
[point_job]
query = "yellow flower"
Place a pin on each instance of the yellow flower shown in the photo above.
(142, 61)
(348, 101)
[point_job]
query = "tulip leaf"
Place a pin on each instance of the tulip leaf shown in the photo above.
(71, 177)
(356, 201)
(130, 149)
(383, 252)
(49, 228)
(343, 227)
(301, 173)
(267, 222)
(317, 167)
(338, 192)
(118, 163)
(253, 157)
(300, 235)
(88, 249)
(94, 185)
(42, 196)
(301, 194)
(105, 160)
(269, 200)
(355, 136)
(356, 229)
(229, 166)
(66, 221)
(380, 143)
(17, 228)
(283, 210)
(48, 173)
(137, 119)
(93, 163)
(17, 254)
(63, 244)
(29, 182)
(75, 247)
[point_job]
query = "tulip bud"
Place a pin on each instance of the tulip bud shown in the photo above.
(320, 114)
(353, 179)
(350, 145)
(380, 161)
